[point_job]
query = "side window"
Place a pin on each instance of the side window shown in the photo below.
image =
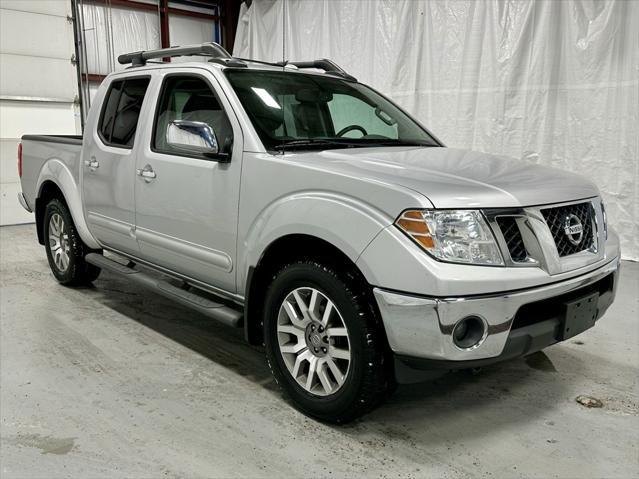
(110, 107)
(347, 110)
(189, 98)
(122, 107)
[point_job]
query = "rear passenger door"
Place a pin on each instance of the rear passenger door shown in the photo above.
(187, 203)
(108, 169)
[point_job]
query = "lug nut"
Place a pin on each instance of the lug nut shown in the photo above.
(316, 350)
(312, 327)
(321, 329)
(325, 339)
(323, 350)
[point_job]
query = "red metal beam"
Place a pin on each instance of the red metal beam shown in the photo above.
(93, 77)
(132, 4)
(126, 4)
(190, 13)
(165, 41)
(230, 14)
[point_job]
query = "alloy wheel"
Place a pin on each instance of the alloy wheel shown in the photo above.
(59, 242)
(313, 341)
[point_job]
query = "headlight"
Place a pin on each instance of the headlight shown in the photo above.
(458, 236)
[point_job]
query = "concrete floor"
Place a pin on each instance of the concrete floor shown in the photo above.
(113, 381)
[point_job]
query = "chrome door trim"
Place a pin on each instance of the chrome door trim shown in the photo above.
(147, 173)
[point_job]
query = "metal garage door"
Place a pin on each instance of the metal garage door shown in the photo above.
(38, 85)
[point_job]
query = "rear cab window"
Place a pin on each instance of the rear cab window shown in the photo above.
(121, 111)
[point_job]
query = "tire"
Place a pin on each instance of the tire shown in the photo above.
(65, 249)
(361, 382)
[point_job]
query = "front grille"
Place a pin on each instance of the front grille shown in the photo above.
(512, 236)
(557, 218)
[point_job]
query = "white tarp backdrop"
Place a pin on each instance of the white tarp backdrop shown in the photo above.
(550, 82)
(109, 31)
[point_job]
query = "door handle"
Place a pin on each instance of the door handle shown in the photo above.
(92, 164)
(147, 173)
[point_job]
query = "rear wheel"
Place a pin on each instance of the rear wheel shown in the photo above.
(324, 342)
(65, 249)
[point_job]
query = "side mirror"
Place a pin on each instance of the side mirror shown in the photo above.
(194, 137)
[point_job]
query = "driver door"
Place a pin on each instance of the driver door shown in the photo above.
(187, 203)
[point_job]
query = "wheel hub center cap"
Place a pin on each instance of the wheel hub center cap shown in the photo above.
(316, 340)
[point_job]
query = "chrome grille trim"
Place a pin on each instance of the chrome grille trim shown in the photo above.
(539, 241)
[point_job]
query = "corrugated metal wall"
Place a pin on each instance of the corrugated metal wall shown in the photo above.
(38, 86)
(38, 82)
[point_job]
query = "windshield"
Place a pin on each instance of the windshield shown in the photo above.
(297, 111)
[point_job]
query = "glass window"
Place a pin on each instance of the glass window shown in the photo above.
(190, 98)
(121, 112)
(348, 110)
(308, 111)
(110, 107)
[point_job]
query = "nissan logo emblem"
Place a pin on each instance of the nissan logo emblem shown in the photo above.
(573, 229)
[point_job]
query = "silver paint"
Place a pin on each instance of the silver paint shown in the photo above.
(211, 222)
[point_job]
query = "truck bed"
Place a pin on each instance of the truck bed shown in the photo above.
(38, 149)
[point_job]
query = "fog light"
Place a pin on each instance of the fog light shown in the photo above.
(469, 332)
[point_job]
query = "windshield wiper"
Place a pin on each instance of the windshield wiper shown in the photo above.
(400, 143)
(311, 142)
(346, 143)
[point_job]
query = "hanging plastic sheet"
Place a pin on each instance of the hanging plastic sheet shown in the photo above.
(549, 82)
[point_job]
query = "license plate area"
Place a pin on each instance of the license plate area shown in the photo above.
(581, 314)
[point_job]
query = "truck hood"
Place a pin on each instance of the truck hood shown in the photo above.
(452, 178)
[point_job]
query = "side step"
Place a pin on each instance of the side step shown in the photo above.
(218, 311)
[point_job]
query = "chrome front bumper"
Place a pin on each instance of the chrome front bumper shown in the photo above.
(422, 327)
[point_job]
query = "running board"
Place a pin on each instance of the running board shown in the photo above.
(218, 311)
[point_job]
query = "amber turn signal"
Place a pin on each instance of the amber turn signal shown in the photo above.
(412, 222)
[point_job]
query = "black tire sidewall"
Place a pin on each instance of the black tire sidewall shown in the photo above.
(313, 275)
(78, 270)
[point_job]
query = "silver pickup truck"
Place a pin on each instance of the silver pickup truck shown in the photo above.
(292, 201)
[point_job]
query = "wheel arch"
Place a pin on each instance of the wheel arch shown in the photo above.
(48, 191)
(56, 179)
(284, 250)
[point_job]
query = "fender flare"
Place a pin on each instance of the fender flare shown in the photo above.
(345, 222)
(55, 171)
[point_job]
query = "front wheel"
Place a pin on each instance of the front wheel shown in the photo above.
(65, 249)
(324, 342)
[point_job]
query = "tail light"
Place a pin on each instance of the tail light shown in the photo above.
(20, 160)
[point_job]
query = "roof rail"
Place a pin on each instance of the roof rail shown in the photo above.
(220, 55)
(325, 64)
(138, 59)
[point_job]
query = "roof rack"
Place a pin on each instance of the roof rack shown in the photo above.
(138, 59)
(220, 55)
(325, 64)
